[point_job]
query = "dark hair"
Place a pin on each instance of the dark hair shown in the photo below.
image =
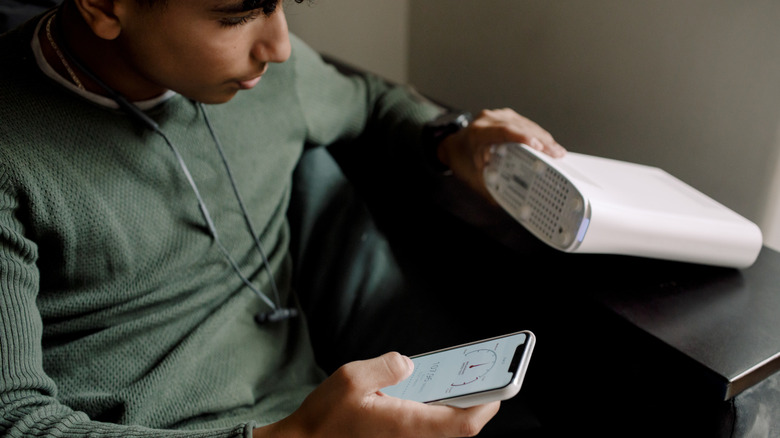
(268, 6)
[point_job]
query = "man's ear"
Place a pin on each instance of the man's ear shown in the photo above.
(101, 17)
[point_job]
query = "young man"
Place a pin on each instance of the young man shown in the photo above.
(139, 241)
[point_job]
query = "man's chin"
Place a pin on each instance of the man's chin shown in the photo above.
(213, 98)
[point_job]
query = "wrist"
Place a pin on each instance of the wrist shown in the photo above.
(435, 132)
(280, 429)
(446, 149)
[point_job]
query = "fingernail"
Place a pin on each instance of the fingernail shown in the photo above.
(536, 144)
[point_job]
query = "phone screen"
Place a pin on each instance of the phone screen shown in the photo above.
(475, 367)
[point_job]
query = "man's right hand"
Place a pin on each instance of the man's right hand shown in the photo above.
(350, 404)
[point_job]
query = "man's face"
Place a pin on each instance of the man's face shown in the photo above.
(206, 50)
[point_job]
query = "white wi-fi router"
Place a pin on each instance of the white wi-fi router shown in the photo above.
(586, 204)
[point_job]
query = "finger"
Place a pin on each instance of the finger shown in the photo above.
(502, 126)
(551, 148)
(503, 131)
(380, 372)
(497, 134)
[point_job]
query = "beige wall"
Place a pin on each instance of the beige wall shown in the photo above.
(690, 86)
(372, 34)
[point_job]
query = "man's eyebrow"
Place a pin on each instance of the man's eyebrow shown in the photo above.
(239, 6)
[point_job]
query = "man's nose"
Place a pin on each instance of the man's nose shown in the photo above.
(272, 43)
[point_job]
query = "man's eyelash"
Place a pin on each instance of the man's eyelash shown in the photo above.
(238, 21)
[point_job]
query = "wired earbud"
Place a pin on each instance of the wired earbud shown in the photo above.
(277, 313)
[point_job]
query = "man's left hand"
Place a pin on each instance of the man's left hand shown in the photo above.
(467, 151)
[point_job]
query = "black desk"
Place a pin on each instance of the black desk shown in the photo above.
(639, 347)
(726, 321)
(632, 346)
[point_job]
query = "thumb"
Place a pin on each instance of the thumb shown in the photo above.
(389, 369)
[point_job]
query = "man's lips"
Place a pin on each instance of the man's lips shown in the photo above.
(248, 84)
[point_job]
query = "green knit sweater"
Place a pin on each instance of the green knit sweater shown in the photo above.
(118, 314)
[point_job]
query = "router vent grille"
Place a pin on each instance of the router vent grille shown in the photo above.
(548, 197)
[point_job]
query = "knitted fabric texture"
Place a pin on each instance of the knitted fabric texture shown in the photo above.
(118, 314)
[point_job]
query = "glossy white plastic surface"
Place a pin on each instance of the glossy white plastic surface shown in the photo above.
(618, 207)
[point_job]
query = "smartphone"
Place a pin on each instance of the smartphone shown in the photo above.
(469, 374)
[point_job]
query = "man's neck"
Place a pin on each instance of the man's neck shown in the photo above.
(67, 36)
